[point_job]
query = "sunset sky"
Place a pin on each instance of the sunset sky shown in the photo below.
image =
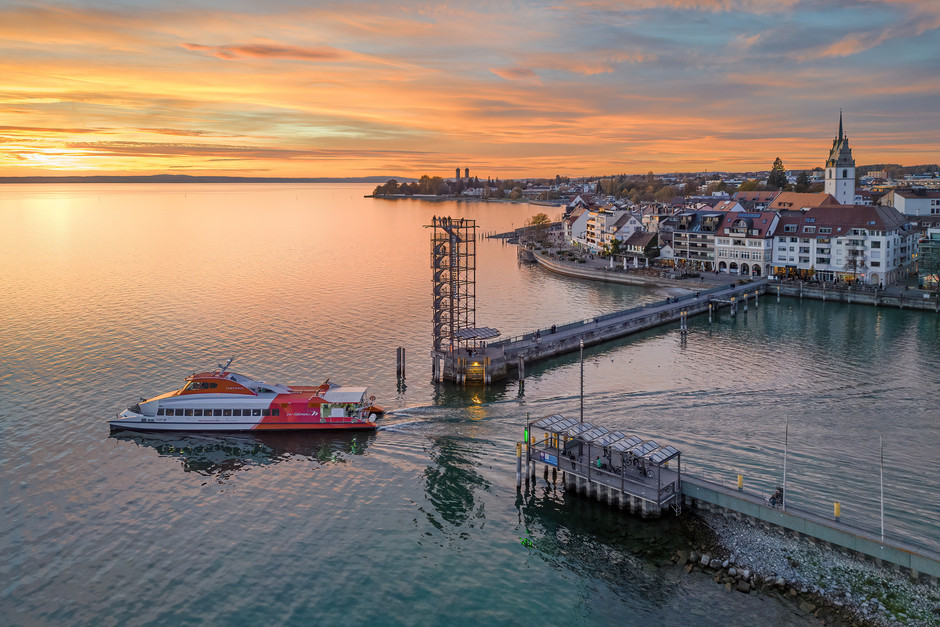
(311, 89)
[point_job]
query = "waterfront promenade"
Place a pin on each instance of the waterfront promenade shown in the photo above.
(600, 269)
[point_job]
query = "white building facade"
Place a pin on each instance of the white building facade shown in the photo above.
(849, 243)
(744, 243)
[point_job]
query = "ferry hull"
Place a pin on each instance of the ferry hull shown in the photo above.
(139, 425)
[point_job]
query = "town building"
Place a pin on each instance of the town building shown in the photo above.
(575, 225)
(693, 240)
(840, 169)
(798, 201)
(728, 205)
(641, 244)
(928, 261)
(844, 242)
(744, 243)
(914, 203)
(755, 201)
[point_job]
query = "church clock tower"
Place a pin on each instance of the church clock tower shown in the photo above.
(840, 169)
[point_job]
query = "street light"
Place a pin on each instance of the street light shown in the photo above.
(582, 379)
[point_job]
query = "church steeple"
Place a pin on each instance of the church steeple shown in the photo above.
(840, 169)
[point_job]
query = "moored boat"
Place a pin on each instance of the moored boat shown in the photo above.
(226, 401)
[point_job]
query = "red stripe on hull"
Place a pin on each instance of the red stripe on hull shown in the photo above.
(310, 426)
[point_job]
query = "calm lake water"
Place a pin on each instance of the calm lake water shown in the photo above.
(111, 293)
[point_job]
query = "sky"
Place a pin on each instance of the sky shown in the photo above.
(300, 88)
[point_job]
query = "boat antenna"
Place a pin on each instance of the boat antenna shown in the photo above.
(227, 364)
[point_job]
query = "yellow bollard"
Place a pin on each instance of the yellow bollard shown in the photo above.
(837, 509)
(518, 449)
(740, 482)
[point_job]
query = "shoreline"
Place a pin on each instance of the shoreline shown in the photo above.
(824, 582)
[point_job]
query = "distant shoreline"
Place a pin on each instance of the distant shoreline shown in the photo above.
(185, 178)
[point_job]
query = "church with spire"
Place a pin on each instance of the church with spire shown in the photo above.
(840, 169)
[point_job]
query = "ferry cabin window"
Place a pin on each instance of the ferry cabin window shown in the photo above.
(197, 412)
(160, 412)
(226, 412)
(188, 412)
(275, 412)
(265, 412)
(216, 412)
(236, 412)
(179, 412)
(255, 412)
(200, 385)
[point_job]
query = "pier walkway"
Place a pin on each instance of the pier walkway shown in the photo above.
(558, 340)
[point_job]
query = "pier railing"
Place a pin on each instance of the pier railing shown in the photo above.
(611, 316)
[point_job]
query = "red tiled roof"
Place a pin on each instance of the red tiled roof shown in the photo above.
(764, 196)
(756, 221)
(798, 201)
(843, 218)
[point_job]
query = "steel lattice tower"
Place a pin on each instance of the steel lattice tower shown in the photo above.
(453, 266)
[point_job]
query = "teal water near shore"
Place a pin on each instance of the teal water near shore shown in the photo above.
(112, 292)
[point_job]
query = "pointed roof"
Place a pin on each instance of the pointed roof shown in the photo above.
(840, 155)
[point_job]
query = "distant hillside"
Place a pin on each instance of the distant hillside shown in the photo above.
(185, 178)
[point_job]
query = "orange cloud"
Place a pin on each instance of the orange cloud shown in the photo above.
(259, 51)
(515, 73)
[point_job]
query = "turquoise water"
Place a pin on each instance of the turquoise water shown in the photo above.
(116, 292)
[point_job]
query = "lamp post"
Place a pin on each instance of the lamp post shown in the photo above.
(582, 379)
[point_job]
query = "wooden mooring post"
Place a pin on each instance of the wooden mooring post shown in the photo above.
(400, 369)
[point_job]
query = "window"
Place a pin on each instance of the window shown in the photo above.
(265, 412)
(825, 229)
(179, 412)
(255, 412)
(226, 412)
(845, 173)
(804, 259)
(809, 229)
(197, 412)
(875, 264)
(160, 411)
(810, 220)
(804, 249)
(789, 228)
(275, 412)
(236, 412)
(216, 412)
(792, 239)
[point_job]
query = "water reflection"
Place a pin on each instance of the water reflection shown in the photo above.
(220, 455)
(600, 542)
(470, 395)
(451, 481)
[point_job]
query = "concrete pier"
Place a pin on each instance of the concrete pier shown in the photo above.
(712, 497)
(505, 355)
